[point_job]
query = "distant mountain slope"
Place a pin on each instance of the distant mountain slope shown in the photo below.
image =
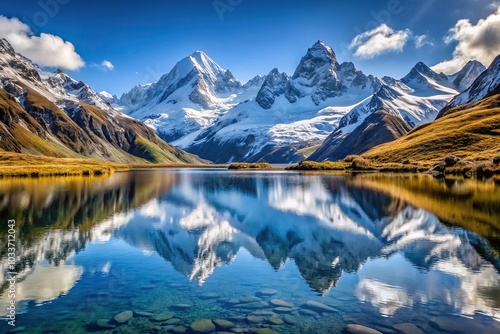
(415, 99)
(378, 128)
(52, 114)
(469, 131)
(487, 84)
(288, 114)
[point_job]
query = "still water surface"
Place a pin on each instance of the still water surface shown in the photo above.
(286, 252)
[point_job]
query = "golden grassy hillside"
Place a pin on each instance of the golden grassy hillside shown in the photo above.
(471, 132)
(17, 164)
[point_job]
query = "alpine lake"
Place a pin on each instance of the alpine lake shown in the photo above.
(211, 251)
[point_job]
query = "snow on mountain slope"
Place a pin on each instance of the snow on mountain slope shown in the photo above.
(288, 113)
(416, 99)
(485, 85)
(57, 87)
(191, 97)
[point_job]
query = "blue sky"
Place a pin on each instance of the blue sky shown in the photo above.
(143, 40)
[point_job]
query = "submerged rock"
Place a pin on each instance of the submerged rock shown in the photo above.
(275, 321)
(281, 303)
(179, 330)
(104, 323)
(318, 307)
(181, 306)
(223, 324)
(172, 321)
(262, 331)
(253, 319)
(254, 305)
(459, 325)
(123, 317)
(250, 299)
(408, 328)
(282, 309)
(358, 329)
(289, 319)
(202, 326)
(267, 292)
(144, 314)
(163, 316)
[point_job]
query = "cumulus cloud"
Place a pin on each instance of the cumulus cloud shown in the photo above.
(379, 40)
(475, 42)
(104, 66)
(45, 50)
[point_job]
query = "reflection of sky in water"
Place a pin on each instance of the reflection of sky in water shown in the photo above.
(289, 230)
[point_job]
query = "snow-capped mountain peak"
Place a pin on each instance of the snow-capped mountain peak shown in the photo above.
(423, 74)
(318, 57)
(464, 78)
(485, 84)
(5, 47)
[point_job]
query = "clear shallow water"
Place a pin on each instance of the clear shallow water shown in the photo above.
(256, 249)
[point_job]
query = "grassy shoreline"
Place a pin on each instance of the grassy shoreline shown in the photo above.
(25, 165)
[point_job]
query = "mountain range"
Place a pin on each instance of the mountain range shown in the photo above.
(202, 108)
(325, 110)
(52, 114)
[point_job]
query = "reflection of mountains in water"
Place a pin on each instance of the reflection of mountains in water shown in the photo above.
(55, 217)
(327, 226)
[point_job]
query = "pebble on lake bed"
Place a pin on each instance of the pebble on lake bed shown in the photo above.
(408, 328)
(223, 324)
(123, 317)
(267, 292)
(202, 326)
(358, 329)
(318, 307)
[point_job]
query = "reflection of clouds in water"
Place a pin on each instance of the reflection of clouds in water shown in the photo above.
(387, 299)
(45, 283)
(102, 232)
(455, 273)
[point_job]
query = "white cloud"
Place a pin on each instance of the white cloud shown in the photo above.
(475, 42)
(45, 50)
(379, 40)
(105, 65)
(422, 40)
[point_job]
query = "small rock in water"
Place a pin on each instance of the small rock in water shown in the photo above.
(123, 317)
(202, 326)
(282, 309)
(358, 329)
(289, 319)
(254, 305)
(237, 318)
(262, 331)
(318, 307)
(179, 330)
(250, 299)
(457, 324)
(267, 292)
(275, 320)
(163, 316)
(253, 319)
(281, 303)
(144, 314)
(308, 312)
(408, 328)
(234, 301)
(223, 324)
(104, 323)
(209, 295)
(180, 306)
(172, 321)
